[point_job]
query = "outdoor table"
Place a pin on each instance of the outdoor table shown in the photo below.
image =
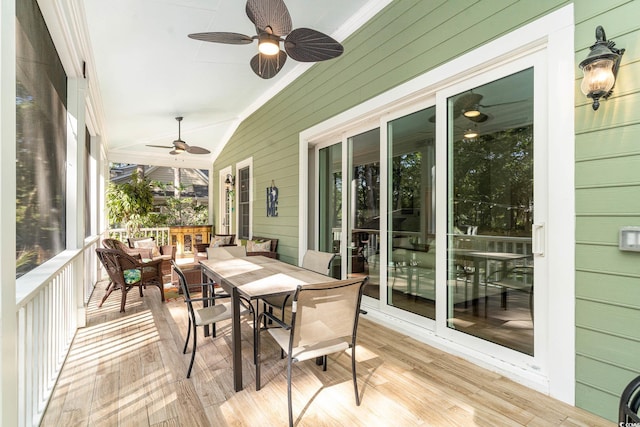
(253, 278)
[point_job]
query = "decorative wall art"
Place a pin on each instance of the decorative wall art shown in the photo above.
(272, 200)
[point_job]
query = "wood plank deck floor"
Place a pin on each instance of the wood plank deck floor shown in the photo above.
(127, 369)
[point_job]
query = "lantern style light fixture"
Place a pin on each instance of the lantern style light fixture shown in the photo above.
(600, 68)
(230, 182)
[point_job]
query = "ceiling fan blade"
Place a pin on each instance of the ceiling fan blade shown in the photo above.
(174, 152)
(197, 150)
(504, 103)
(466, 102)
(271, 16)
(158, 146)
(307, 45)
(268, 66)
(222, 37)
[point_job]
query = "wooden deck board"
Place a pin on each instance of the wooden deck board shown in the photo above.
(128, 369)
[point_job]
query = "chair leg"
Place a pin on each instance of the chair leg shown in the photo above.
(186, 342)
(123, 300)
(324, 362)
(353, 371)
(110, 288)
(193, 350)
(289, 403)
(256, 344)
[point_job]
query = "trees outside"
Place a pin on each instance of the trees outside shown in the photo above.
(179, 209)
(141, 202)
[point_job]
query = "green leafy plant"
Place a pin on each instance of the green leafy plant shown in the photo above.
(130, 203)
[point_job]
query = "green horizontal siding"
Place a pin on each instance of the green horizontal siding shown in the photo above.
(607, 198)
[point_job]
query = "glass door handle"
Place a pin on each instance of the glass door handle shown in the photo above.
(538, 239)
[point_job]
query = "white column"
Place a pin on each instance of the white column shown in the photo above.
(8, 318)
(76, 136)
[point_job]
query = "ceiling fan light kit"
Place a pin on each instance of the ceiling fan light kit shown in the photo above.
(473, 112)
(268, 44)
(273, 25)
(471, 134)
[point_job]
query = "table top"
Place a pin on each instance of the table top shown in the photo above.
(259, 276)
(500, 256)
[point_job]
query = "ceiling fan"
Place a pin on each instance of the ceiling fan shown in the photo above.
(273, 24)
(179, 146)
(469, 106)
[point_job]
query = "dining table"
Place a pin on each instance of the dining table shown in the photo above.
(478, 257)
(252, 278)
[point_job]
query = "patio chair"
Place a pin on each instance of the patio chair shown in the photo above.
(629, 409)
(126, 272)
(210, 314)
(317, 261)
(324, 321)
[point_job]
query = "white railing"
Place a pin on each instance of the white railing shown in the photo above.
(160, 234)
(50, 307)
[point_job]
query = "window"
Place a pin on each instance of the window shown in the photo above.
(41, 140)
(244, 210)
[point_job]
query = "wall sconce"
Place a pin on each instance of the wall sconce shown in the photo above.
(600, 68)
(230, 182)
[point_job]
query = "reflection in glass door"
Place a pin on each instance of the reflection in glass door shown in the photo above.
(490, 212)
(411, 218)
(357, 244)
(330, 202)
(363, 227)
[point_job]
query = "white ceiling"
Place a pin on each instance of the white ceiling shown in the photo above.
(149, 71)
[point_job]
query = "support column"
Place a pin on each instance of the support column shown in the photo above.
(76, 173)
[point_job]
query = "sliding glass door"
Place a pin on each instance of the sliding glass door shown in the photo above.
(490, 212)
(363, 227)
(356, 199)
(411, 244)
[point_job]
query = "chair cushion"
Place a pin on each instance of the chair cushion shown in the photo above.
(218, 241)
(132, 276)
(259, 246)
(148, 244)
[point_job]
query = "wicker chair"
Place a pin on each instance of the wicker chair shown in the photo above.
(166, 252)
(126, 272)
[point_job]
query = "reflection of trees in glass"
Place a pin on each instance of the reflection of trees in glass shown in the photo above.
(336, 196)
(367, 178)
(493, 178)
(405, 184)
